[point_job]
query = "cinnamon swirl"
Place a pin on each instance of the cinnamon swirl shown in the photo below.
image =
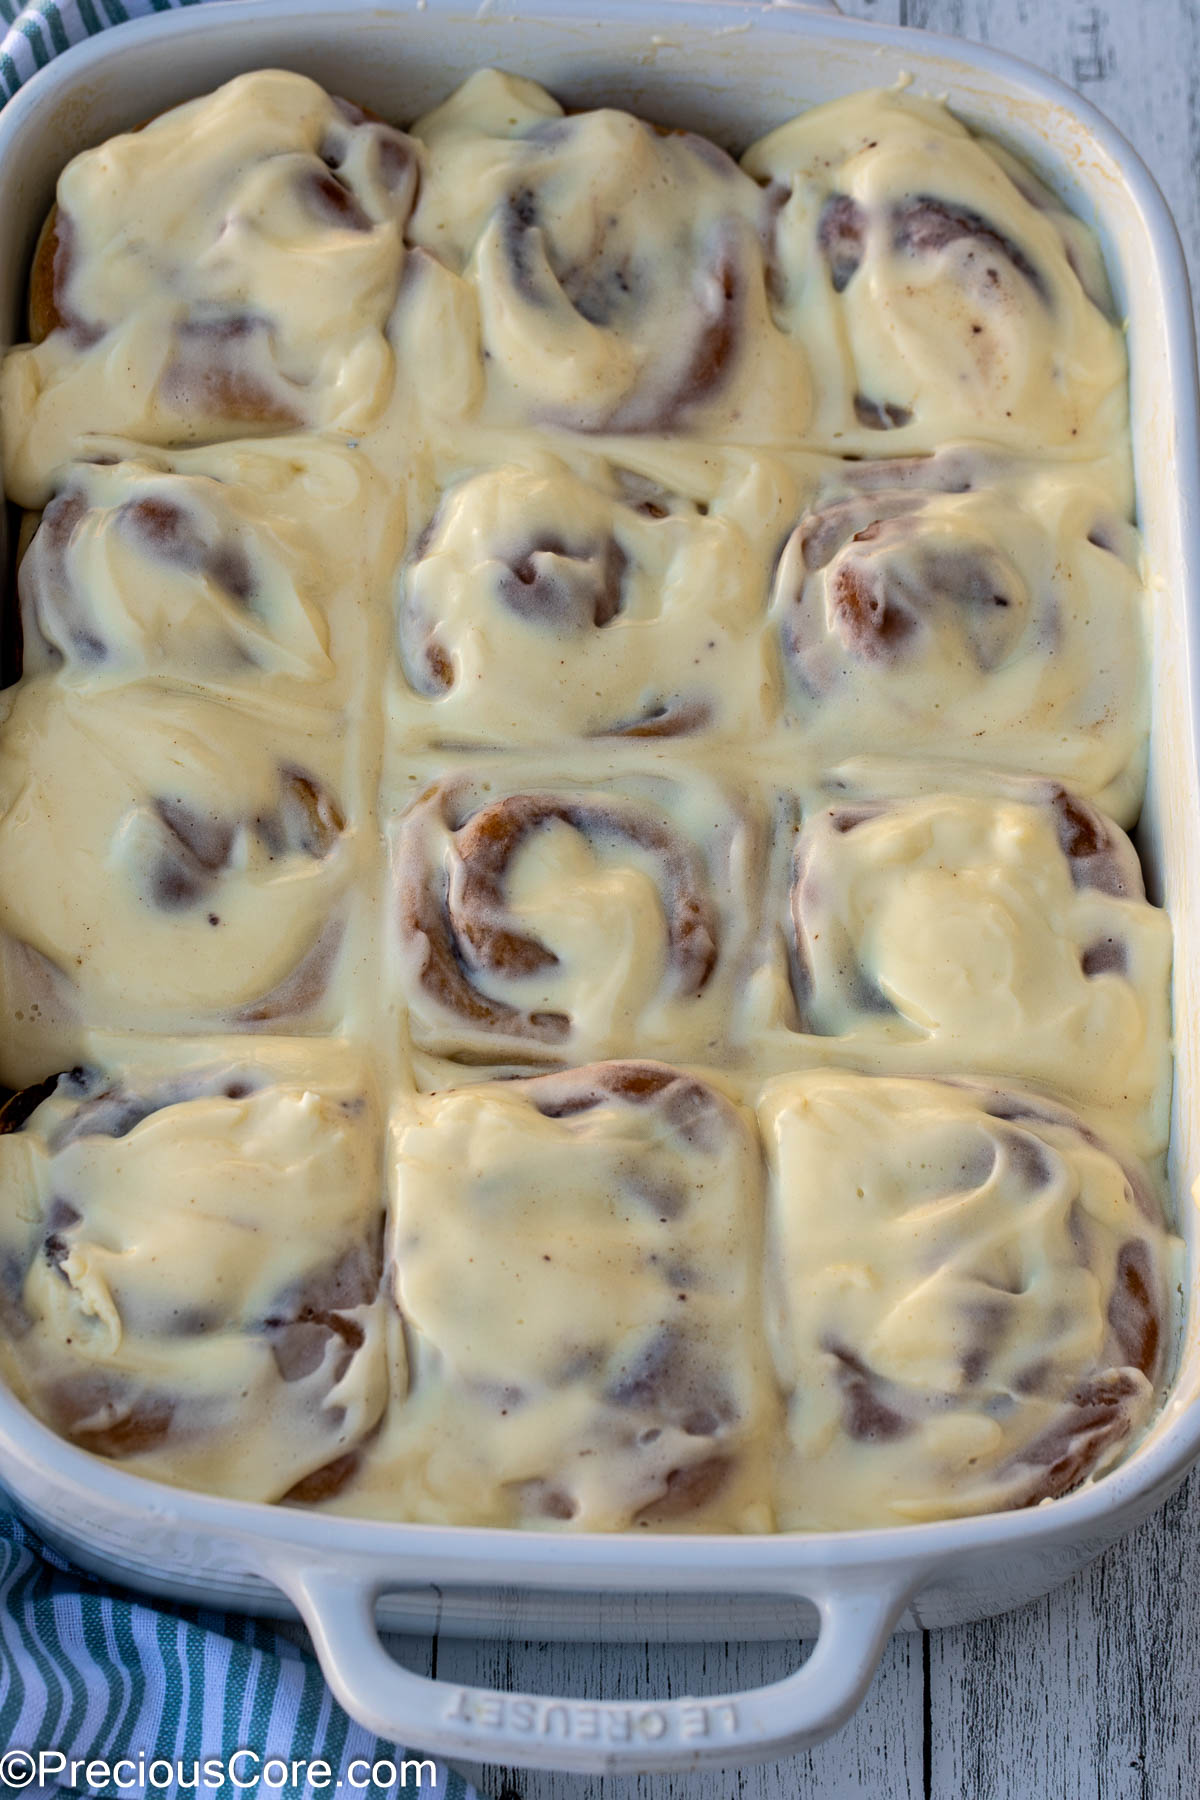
(972, 607)
(240, 567)
(540, 605)
(1013, 937)
(190, 1268)
(616, 272)
(576, 1258)
(561, 922)
(970, 1301)
(227, 270)
(199, 875)
(939, 289)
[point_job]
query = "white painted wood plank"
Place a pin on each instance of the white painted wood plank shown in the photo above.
(1094, 1691)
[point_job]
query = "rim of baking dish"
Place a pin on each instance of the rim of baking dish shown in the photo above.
(401, 1549)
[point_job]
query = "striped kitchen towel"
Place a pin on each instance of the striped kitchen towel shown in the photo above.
(88, 1674)
(36, 33)
(151, 1695)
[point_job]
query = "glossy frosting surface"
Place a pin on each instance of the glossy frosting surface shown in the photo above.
(193, 1282)
(230, 266)
(579, 1260)
(940, 288)
(976, 1322)
(570, 949)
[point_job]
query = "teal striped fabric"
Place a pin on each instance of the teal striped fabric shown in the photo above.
(38, 32)
(96, 1675)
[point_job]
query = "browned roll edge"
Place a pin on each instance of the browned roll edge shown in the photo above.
(43, 311)
(44, 316)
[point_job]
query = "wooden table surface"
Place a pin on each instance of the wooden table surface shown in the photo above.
(1094, 1691)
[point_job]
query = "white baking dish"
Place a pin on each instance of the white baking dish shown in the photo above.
(731, 69)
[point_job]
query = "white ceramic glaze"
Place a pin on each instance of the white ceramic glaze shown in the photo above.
(731, 69)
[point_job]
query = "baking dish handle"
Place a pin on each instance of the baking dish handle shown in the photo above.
(606, 1737)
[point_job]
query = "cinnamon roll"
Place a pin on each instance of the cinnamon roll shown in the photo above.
(617, 272)
(576, 1261)
(970, 1303)
(190, 1271)
(469, 627)
(560, 922)
(227, 270)
(238, 567)
(958, 932)
(972, 607)
(169, 863)
(539, 606)
(939, 289)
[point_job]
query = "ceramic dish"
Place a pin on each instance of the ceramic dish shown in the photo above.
(731, 70)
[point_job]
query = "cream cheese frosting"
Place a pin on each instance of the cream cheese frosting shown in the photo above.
(236, 1336)
(940, 289)
(995, 935)
(236, 567)
(228, 267)
(968, 606)
(564, 919)
(972, 606)
(652, 598)
(176, 862)
(618, 273)
(565, 922)
(976, 1321)
(578, 1259)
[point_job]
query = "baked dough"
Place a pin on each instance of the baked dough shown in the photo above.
(941, 290)
(216, 1331)
(566, 937)
(569, 921)
(578, 1258)
(980, 1320)
(1003, 936)
(225, 271)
